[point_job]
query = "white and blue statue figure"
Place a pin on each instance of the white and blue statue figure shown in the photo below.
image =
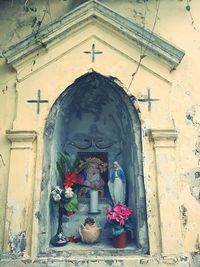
(117, 184)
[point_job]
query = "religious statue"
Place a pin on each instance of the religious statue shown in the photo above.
(117, 184)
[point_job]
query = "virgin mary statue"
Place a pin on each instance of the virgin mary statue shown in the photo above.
(117, 184)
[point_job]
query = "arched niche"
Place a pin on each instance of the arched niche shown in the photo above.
(94, 114)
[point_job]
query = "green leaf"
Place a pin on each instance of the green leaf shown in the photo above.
(34, 22)
(39, 23)
(188, 7)
(62, 162)
(72, 205)
(76, 163)
(142, 56)
(26, 9)
(60, 169)
(66, 159)
(117, 231)
(128, 227)
(44, 45)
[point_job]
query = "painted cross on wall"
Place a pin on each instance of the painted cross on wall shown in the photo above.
(93, 52)
(149, 100)
(38, 101)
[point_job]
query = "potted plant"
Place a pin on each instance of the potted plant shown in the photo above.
(119, 221)
(90, 231)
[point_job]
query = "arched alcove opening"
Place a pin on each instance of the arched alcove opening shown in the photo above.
(94, 116)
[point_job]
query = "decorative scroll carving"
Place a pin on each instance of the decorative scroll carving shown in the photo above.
(82, 141)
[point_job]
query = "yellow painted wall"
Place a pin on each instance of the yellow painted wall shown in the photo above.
(174, 24)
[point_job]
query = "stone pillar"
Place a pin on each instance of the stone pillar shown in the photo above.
(18, 226)
(167, 186)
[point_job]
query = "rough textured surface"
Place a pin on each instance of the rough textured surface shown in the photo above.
(182, 261)
(171, 179)
(17, 244)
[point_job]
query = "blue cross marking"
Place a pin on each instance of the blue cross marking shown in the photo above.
(148, 99)
(93, 52)
(38, 101)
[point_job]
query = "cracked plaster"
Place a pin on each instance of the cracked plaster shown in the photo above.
(184, 73)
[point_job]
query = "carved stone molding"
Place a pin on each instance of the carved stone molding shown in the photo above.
(21, 139)
(164, 141)
(163, 137)
(95, 12)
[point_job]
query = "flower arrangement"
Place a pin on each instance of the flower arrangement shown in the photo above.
(66, 196)
(118, 219)
(72, 181)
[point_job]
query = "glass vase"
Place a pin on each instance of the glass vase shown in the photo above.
(59, 239)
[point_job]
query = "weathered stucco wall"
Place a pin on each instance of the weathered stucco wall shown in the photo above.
(180, 97)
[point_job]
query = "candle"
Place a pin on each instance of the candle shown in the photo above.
(94, 201)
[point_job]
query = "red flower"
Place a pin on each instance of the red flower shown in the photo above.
(69, 213)
(74, 239)
(71, 178)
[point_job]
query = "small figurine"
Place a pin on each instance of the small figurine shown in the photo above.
(117, 184)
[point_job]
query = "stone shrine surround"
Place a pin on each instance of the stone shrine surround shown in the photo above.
(55, 70)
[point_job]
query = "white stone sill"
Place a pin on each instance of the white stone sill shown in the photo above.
(97, 250)
(99, 261)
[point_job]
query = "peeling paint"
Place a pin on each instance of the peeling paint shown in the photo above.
(38, 215)
(169, 261)
(50, 124)
(17, 244)
(80, 263)
(62, 75)
(109, 262)
(115, 263)
(193, 115)
(197, 243)
(183, 213)
(197, 149)
(193, 176)
(144, 261)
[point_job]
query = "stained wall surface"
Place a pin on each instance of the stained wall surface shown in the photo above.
(178, 108)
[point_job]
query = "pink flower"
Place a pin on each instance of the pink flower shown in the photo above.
(120, 213)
